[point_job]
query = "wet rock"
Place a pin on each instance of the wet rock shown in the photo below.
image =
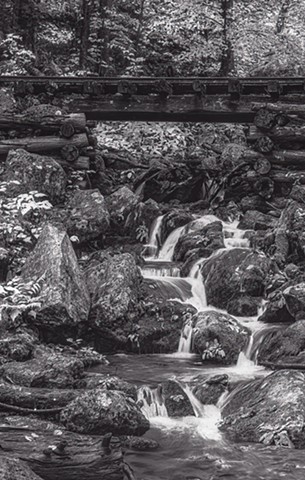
(161, 320)
(102, 411)
(286, 345)
(176, 400)
(208, 391)
(295, 299)
(115, 302)
(15, 469)
(27, 171)
(88, 215)
(4, 263)
(61, 292)
(290, 236)
(141, 218)
(17, 346)
(264, 409)
(111, 383)
(243, 306)
(218, 337)
(232, 273)
(120, 204)
(276, 310)
(254, 220)
(198, 244)
(174, 219)
(141, 444)
(47, 370)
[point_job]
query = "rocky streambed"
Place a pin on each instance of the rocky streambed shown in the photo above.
(147, 339)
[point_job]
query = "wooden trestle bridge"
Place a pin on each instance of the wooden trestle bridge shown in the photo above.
(274, 109)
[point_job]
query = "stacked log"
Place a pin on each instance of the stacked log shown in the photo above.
(66, 137)
(275, 159)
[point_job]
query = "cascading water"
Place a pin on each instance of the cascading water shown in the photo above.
(151, 402)
(151, 249)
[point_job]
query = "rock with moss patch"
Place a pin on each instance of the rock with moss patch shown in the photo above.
(209, 390)
(218, 337)
(15, 469)
(60, 289)
(120, 204)
(102, 411)
(27, 171)
(269, 410)
(110, 382)
(88, 215)
(176, 401)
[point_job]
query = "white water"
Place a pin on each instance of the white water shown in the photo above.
(154, 238)
(203, 424)
(167, 250)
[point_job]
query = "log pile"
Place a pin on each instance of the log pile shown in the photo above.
(65, 137)
(274, 161)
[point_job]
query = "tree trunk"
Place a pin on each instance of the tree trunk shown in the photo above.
(279, 134)
(227, 61)
(45, 123)
(42, 144)
(66, 456)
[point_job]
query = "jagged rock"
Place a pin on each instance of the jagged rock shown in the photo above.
(276, 310)
(198, 244)
(286, 345)
(264, 409)
(176, 400)
(101, 411)
(160, 321)
(141, 218)
(17, 346)
(115, 301)
(15, 469)
(208, 391)
(243, 306)
(295, 299)
(254, 220)
(218, 337)
(88, 216)
(47, 370)
(63, 298)
(172, 220)
(120, 204)
(290, 234)
(4, 263)
(111, 383)
(232, 273)
(27, 171)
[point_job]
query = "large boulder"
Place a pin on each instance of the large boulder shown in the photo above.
(61, 296)
(200, 243)
(232, 272)
(161, 319)
(47, 370)
(102, 411)
(115, 301)
(295, 300)
(218, 337)
(17, 346)
(27, 171)
(88, 216)
(208, 391)
(175, 399)
(109, 382)
(269, 410)
(286, 345)
(254, 220)
(120, 204)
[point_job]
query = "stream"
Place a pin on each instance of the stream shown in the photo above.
(193, 448)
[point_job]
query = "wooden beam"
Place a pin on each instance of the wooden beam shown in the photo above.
(182, 108)
(42, 144)
(278, 134)
(48, 123)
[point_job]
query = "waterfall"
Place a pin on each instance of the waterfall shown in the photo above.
(167, 251)
(151, 402)
(185, 342)
(234, 237)
(151, 249)
(160, 269)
